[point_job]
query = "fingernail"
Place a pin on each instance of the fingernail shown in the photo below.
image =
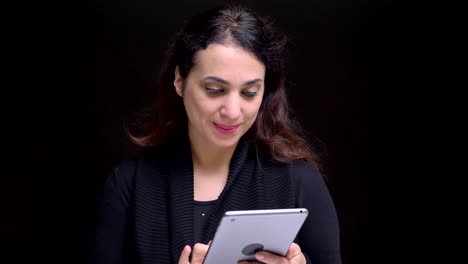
(259, 256)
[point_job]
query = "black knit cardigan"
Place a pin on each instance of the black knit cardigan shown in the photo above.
(159, 197)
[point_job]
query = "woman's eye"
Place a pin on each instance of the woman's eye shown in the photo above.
(213, 91)
(249, 94)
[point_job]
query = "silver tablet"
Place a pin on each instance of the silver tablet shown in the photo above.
(241, 234)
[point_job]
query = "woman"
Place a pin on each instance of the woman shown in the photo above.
(222, 140)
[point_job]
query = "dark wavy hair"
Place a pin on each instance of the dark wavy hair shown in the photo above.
(274, 131)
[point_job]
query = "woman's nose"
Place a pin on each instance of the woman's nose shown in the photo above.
(231, 107)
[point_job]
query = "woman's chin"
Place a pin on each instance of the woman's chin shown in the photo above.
(225, 143)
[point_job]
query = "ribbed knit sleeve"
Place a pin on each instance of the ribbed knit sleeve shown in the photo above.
(112, 223)
(319, 237)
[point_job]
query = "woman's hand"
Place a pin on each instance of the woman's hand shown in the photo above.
(293, 256)
(198, 255)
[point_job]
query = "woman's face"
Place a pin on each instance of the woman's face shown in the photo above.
(222, 94)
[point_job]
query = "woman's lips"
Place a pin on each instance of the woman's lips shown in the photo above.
(225, 129)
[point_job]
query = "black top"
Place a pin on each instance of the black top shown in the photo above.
(147, 212)
(201, 216)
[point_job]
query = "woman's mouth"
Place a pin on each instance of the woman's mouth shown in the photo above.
(225, 129)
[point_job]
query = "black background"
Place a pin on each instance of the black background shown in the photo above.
(78, 71)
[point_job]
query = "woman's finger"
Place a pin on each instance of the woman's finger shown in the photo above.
(268, 257)
(293, 251)
(199, 253)
(184, 256)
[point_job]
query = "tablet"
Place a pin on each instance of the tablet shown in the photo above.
(240, 234)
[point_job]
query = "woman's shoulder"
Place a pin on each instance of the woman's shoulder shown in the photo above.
(312, 190)
(301, 168)
(150, 156)
(124, 173)
(305, 175)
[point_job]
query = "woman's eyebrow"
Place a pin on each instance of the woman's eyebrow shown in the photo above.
(220, 80)
(252, 82)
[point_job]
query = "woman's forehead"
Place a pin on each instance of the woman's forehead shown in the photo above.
(227, 61)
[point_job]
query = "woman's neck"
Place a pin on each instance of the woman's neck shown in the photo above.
(208, 158)
(210, 168)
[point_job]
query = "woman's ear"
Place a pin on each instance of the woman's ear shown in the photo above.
(178, 82)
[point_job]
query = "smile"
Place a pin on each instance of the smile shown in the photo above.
(225, 129)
